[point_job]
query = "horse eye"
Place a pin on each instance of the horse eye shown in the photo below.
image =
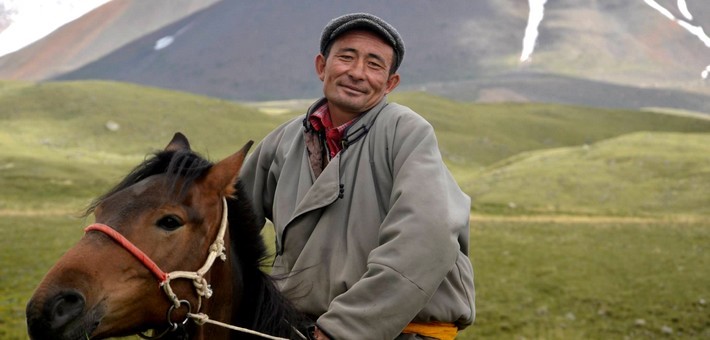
(169, 222)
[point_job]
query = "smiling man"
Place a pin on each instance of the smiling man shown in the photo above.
(371, 229)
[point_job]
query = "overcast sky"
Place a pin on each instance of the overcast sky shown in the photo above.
(33, 19)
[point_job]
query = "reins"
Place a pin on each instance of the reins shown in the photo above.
(202, 287)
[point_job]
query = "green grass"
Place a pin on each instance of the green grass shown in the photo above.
(30, 245)
(590, 281)
(66, 115)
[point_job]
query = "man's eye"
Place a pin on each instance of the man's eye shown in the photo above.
(169, 222)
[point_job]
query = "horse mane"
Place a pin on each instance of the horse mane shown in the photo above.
(268, 310)
(184, 164)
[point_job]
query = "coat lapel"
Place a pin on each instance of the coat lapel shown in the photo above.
(324, 191)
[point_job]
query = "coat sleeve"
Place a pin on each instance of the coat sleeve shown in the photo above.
(418, 240)
(258, 174)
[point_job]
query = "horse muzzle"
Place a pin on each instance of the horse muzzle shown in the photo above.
(61, 316)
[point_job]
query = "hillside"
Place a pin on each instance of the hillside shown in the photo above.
(467, 50)
(479, 135)
(72, 140)
(645, 173)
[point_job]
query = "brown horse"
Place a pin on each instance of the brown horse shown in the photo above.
(155, 256)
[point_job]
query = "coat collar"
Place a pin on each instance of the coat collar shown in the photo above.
(357, 130)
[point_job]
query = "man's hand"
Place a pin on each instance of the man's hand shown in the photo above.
(318, 335)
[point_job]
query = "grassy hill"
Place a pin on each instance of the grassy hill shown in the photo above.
(479, 135)
(645, 173)
(70, 141)
(56, 147)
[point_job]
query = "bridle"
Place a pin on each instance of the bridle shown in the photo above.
(202, 287)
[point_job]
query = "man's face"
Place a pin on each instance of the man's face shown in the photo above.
(356, 74)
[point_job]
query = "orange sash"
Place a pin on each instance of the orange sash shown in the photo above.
(437, 330)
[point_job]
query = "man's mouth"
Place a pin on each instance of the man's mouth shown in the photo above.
(354, 89)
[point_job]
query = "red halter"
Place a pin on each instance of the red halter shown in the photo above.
(125, 243)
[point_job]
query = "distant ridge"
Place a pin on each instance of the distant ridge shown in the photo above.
(549, 88)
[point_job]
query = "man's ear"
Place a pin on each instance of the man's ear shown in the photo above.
(392, 83)
(320, 66)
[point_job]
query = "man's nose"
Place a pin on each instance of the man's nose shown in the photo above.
(357, 70)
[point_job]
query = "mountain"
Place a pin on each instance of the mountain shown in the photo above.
(264, 50)
(470, 50)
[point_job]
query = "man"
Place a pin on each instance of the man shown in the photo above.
(371, 229)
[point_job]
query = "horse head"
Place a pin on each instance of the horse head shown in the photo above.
(170, 208)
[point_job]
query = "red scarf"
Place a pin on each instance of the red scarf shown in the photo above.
(320, 120)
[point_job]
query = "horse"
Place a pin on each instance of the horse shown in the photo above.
(174, 251)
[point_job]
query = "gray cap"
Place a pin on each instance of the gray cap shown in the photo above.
(368, 22)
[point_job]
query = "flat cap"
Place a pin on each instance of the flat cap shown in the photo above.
(364, 21)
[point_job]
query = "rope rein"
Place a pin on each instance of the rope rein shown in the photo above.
(202, 287)
(201, 319)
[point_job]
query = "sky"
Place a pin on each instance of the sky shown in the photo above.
(34, 19)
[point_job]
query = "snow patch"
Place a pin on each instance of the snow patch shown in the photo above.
(163, 42)
(170, 39)
(697, 31)
(683, 8)
(537, 11)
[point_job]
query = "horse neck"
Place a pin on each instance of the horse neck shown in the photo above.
(243, 294)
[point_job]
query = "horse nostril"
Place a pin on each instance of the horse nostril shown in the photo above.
(64, 308)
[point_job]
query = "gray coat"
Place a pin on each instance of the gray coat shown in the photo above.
(379, 238)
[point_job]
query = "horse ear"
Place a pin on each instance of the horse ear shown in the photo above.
(223, 175)
(178, 143)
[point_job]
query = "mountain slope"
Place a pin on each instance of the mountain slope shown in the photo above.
(265, 50)
(626, 42)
